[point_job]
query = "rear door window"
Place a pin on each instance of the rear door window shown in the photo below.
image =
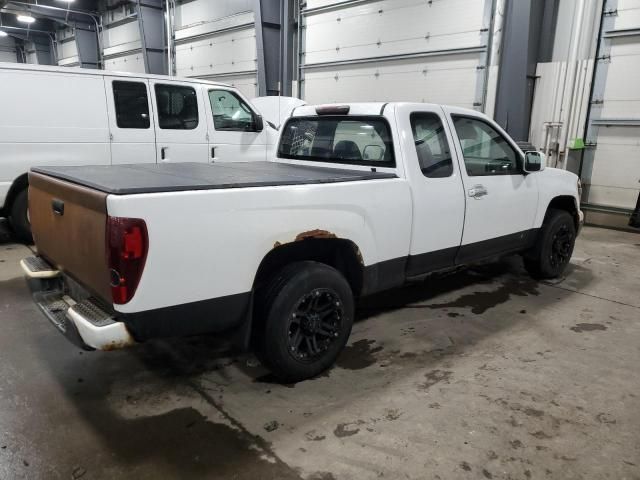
(430, 139)
(131, 104)
(342, 139)
(177, 107)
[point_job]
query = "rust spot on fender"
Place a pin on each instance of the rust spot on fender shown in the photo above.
(317, 233)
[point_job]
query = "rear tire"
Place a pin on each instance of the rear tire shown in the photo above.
(307, 313)
(552, 252)
(19, 218)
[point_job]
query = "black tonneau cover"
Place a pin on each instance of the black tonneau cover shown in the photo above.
(175, 177)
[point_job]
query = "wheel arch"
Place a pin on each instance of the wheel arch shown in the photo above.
(567, 203)
(339, 253)
(17, 186)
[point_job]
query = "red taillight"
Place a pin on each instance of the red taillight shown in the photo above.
(127, 246)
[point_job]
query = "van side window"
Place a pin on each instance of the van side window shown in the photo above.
(485, 150)
(132, 104)
(177, 107)
(230, 112)
(430, 139)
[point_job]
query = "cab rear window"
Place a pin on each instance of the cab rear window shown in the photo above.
(341, 139)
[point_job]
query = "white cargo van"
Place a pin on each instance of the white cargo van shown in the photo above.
(71, 116)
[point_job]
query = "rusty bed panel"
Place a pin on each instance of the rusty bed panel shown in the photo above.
(73, 241)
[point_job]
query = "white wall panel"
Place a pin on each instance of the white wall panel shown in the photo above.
(614, 178)
(392, 27)
(616, 169)
(121, 38)
(628, 14)
(67, 50)
(222, 53)
(622, 89)
(205, 11)
(441, 79)
(217, 41)
(348, 51)
(133, 63)
(247, 84)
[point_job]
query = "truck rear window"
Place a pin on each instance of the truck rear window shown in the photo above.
(341, 139)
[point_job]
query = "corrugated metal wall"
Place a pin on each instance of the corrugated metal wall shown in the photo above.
(431, 51)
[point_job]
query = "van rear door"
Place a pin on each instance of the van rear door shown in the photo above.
(133, 138)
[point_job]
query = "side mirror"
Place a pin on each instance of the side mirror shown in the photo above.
(373, 152)
(258, 122)
(533, 162)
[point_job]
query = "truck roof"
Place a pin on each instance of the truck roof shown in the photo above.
(367, 108)
(95, 72)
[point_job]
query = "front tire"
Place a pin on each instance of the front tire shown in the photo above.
(552, 252)
(19, 217)
(307, 314)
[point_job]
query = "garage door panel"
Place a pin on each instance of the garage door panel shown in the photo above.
(222, 53)
(246, 83)
(628, 14)
(392, 27)
(622, 89)
(616, 170)
(445, 79)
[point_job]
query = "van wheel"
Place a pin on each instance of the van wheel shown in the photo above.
(307, 312)
(551, 254)
(19, 218)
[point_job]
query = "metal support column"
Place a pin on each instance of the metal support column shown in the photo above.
(516, 78)
(274, 37)
(87, 46)
(151, 22)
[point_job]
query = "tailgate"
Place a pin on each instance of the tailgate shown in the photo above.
(68, 224)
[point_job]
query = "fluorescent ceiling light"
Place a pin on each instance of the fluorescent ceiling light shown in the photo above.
(3, 33)
(25, 18)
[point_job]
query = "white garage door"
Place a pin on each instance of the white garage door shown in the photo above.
(215, 42)
(612, 166)
(388, 50)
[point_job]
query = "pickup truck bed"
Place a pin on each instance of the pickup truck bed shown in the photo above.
(168, 177)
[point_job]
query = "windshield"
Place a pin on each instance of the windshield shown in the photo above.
(352, 140)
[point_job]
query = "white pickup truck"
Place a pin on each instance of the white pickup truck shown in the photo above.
(361, 198)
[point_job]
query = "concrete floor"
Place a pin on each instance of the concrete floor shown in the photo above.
(479, 374)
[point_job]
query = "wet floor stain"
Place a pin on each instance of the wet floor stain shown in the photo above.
(314, 436)
(392, 414)
(358, 355)
(343, 430)
(271, 426)
(180, 441)
(480, 302)
(322, 476)
(588, 327)
(433, 377)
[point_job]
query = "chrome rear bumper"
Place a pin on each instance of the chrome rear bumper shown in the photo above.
(84, 321)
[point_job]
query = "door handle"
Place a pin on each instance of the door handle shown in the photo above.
(163, 153)
(213, 154)
(478, 191)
